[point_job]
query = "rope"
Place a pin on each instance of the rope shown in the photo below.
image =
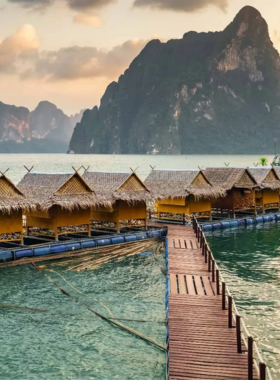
(23, 308)
(78, 291)
(113, 322)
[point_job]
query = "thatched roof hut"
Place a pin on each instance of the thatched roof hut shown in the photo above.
(265, 177)
(11, 198)
(110, 187)
(170, 184)
(67, 190)
(228, 178)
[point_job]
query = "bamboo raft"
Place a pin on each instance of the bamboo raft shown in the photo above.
(205, 335)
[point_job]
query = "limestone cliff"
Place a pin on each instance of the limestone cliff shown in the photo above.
(205, 93)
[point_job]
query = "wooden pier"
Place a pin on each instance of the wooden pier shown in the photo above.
(205, 340)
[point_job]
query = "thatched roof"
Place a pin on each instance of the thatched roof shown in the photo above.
(11, 198)
(68, 190)
(180, 184)
(266, 177)
(227, 178)
(113, 186)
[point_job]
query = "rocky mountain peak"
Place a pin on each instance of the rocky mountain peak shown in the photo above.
(249, 23)
(207, 93)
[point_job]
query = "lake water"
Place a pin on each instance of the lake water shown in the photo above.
(69, 342)
(64, 162)
(250, 261)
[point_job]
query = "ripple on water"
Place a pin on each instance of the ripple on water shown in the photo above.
(250, 261)
(69, 342)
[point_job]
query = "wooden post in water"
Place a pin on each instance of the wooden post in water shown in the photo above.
(250, 358)
(218, 281)
(229, 312)
(262, 371)
(213, 270)
(223, 295)
(238, 334)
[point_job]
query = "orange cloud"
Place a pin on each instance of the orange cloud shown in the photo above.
(87, 19)
(24, 41)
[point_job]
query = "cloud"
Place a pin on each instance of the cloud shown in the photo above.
(80, 5)
(77, 62)
(181, 5)
(21, 44)
(34, 4)
(88, 4)
(87, 19)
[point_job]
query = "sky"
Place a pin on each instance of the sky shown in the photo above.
(68, 51)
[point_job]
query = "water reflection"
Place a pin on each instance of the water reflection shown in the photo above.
(250, 260)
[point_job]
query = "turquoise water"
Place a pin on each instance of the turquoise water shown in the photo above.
(69, 342)
(250, 261)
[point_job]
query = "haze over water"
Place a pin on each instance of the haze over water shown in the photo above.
(64, 162)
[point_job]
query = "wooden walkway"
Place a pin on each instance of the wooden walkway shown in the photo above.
(201, 346)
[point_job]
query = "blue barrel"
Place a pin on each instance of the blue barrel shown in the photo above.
(241, 222)
(157, 234)
(6, 256)
(207, 227)
(278, 216)
(150, 234)
(102, 242)
(216, 226)
(73, 246)
(143, 235)
(271, 218)
(19, 254)
(130, 238)
(266, 218)
(250, 221)
(42, 251)
(233, 223)
(117, 239)
(225, 224)
(259, 219)
(88, 243)
(57, 248)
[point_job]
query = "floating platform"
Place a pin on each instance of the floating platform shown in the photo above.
(36, 246)
(244, 221)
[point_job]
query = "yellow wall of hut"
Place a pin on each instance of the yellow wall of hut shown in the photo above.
(57, 217)
(188, 205)
(267, 199)
(121, 210)
(11, 223)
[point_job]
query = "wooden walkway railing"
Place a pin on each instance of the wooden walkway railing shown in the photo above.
(207, 338)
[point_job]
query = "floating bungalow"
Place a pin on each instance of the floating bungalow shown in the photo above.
(12, 204)
(122, 197)
(61, 204)
(267, 197)
(240, 187)
(182, 192)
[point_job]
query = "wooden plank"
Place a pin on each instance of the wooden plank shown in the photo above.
(198, 285)
(182, 285)
(200, 344)
(190, 285)
(173, 284)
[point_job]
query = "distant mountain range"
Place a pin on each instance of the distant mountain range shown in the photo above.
(207, 93)
(45, 130)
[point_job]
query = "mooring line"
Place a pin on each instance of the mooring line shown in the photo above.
(23, 308)
(113, 322)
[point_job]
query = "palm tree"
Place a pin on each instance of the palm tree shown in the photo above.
(263, 161)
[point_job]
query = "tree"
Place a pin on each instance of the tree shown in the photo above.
(263, 161)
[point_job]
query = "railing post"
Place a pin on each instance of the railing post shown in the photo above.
(206, 254)
(218, 281)
(238, 334)
(250, 358)
(203, 247)
(262, 371)
(223, 295)
(209, 261)
(213, 270)
(229, 312)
